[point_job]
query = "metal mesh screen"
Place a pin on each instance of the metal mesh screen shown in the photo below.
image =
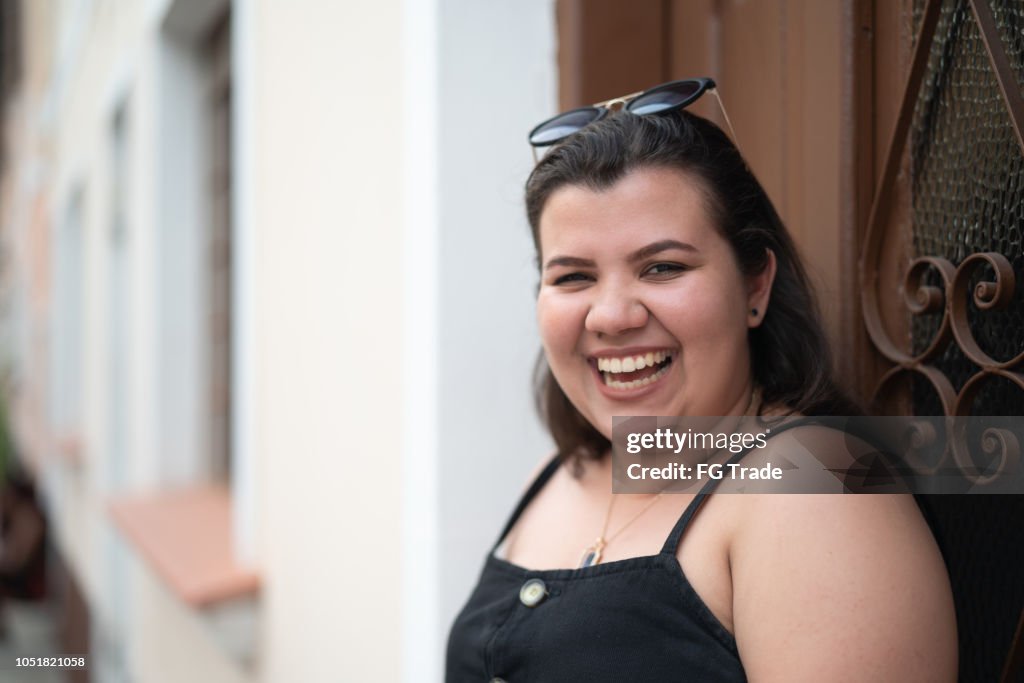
(967, 186)
(967, 196)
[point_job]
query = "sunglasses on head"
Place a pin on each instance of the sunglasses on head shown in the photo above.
(661, 99)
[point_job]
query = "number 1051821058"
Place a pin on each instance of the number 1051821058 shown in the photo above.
(55, 662)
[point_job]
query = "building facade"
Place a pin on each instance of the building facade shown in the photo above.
(268, 321)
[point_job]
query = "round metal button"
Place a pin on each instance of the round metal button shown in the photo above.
(497, 680)
(533, 592)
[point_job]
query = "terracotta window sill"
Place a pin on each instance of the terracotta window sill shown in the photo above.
(186, 537)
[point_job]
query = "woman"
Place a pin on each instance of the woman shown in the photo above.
(669, 286)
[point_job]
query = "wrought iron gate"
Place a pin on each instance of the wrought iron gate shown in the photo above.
(942, 273)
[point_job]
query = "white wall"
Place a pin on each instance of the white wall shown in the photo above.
(326, 160)
(489, 434)
(480, 76)
(394, 336)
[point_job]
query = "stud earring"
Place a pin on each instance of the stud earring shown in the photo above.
(753, 312)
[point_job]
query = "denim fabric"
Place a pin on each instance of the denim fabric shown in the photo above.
(636, 619)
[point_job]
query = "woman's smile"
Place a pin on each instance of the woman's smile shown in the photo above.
(630, 373)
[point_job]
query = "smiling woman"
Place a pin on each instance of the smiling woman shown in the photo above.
(670, 287)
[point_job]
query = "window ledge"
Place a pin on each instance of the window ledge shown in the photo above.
(185, 536)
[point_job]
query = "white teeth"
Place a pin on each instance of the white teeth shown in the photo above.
(631, 363)
(615, 384)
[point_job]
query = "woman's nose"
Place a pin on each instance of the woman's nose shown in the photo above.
(615, 311)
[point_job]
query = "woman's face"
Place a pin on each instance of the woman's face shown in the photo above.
(642, 307)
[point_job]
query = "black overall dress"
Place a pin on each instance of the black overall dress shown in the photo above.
(636, 619)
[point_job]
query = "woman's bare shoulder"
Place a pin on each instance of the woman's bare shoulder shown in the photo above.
(854, 585)
(508, 545)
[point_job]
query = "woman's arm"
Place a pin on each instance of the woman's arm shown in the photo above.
(841, 588)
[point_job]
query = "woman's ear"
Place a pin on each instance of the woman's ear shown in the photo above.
(759, 290)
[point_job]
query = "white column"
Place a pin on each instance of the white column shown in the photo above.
(481, 75)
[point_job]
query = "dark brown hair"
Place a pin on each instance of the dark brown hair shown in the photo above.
(789, 352)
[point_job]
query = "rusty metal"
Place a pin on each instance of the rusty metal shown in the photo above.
(921, 293)
(1001, 67)
(921, 298)
(933, 285)
(883, 194)
(921, 439)
(986, 296)
(994, 441)
(942, 299)
(935, 377)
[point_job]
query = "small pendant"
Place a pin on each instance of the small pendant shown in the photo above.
(592, 555)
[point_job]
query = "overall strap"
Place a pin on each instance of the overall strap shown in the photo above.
(672, 542)
(531, 492)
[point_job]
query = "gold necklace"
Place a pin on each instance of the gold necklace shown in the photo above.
(592, 554)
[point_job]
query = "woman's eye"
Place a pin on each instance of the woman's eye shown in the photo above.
(665, 269)
(571, 278)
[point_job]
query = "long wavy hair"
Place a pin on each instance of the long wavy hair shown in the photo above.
(790, 356)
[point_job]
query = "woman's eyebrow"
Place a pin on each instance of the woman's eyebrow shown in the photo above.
(638, 255)
(657, 247)
(570, 262)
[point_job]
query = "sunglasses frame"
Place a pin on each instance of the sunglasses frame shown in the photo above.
(626, 101)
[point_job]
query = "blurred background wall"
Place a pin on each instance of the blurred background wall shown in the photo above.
(268, 323)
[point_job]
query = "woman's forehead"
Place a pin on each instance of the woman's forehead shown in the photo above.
(645, 204)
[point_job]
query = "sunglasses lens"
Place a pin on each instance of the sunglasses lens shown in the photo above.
(670, 97)
(562, 126)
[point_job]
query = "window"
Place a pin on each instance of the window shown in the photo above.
(217, 103)
(65, 396)
(118, 315)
